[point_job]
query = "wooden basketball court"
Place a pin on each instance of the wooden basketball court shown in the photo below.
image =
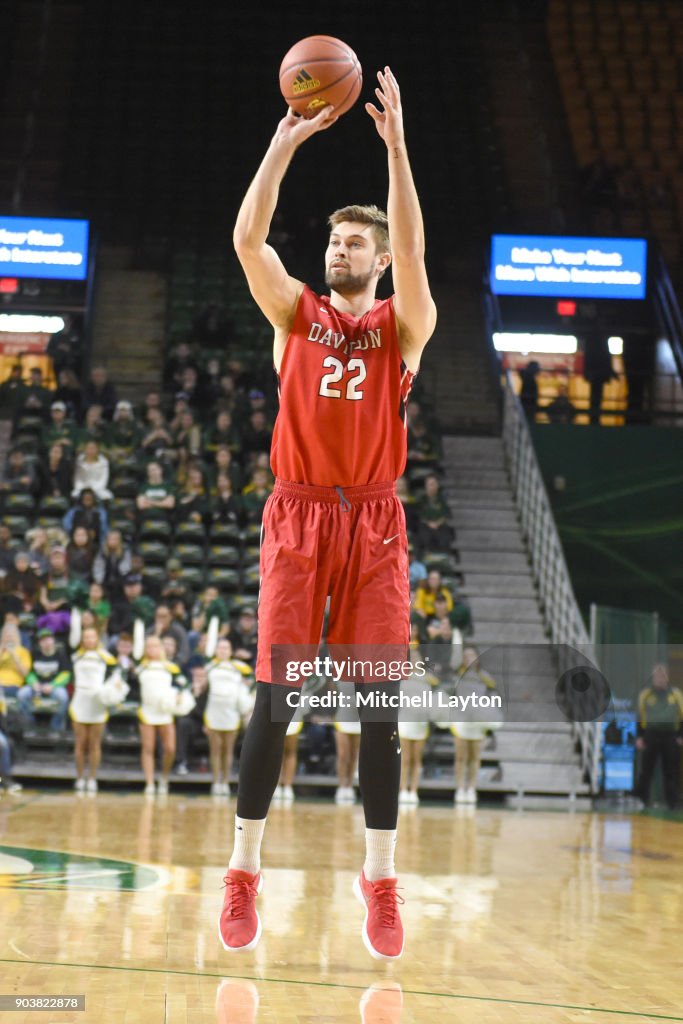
(512, 916)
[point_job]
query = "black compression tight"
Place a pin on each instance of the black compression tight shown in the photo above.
(379, 760)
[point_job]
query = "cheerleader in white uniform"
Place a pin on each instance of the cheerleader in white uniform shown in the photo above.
(412, 732)
(92, 667)
(228, 705)
(469, 735)
(161, 690)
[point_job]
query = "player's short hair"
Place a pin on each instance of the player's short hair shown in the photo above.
(365, 215)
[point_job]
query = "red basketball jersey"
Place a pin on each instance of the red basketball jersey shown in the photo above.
(343, 388)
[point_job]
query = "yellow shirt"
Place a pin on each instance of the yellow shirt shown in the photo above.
(9, 673)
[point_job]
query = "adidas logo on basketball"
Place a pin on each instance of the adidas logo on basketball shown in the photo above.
(303, 82)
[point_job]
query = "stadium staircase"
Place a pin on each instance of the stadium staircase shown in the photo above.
(129, 323)
(535, 750)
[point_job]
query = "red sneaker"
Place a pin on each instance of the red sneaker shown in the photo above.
(382, 929)
(239, 927)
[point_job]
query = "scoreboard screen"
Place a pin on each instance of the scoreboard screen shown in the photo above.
(44, 247)
(568, 267)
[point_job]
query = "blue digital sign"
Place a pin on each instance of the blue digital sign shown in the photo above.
(567, 267)
(44, 247)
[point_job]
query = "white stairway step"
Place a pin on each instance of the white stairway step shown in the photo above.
(478, 498)
(470, 540)
(489, 633)
(488, 584)
(485, 518)
(486, 479)
(486, 560)
(505, 609)
(556, 748)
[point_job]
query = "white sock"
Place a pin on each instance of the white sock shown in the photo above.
(379, 853)
(246, 853)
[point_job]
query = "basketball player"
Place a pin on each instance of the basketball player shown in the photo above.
(333, 524)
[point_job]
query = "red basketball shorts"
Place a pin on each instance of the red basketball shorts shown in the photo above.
(349, 544)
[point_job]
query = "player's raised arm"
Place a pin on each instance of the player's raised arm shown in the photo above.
(415, 309)
(275, 292)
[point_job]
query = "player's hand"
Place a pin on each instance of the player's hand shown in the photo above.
(296, 129)
(389, 120)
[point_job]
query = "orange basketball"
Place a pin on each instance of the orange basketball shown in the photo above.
(320, 71)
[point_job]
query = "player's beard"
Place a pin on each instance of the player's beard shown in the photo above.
(347, 283)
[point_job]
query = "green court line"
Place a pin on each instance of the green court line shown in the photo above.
(358, 988)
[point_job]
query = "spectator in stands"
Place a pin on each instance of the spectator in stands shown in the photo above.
(92, 471)
(192, 386)
(123, 436)
(152, 400)
(244, 636)
(100, 391)
(424, 446)
(160, 683)
(165, 625)
(192, 498)
(175, 587)
(80, 554)
(188, 433)
(660, 736)
(561, 409)
(99, 605)
(458, 616)
(221, 434)
(69, 391)
(22, 580)
(209, 604)
(228, 706)
(18, 475)
(60, 429)
(92, 665)
(190, 728)
(156, 496)
(224, 505)
(469, 735)
(36, 398)
(12, 391)
(113, 562)
(212, 382)
(255, 495)
(225, 462)
(434, 530)
(64, 347)
(426, 594)
(94, 427)
(55, 474)
(528, 393)
(597, 360)
(39, 550)
(180, 357)
(15, 660)
(257, 434)
(49, 677)
(157, 438)
(88, 513)
(123, 652)
(128, 605)
(54, 594)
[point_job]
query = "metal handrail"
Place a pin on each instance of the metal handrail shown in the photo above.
(562, 617)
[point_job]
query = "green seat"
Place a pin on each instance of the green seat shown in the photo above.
(155, 528)
(223, 554)
(53, 505)
(225, 531)
(189, 531)
(154, 551)
(20, 503)
(251, 578)
(18, 525)
(223, 577)
(189, 554)
(193, 575)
